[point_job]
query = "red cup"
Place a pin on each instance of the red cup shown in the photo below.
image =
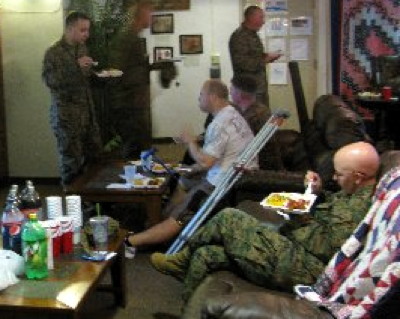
(55, 227)
(386, 93)
(67, 234)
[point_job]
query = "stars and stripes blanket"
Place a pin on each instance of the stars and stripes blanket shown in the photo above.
(367, 268)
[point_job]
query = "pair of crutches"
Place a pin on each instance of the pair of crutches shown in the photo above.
(229, 178)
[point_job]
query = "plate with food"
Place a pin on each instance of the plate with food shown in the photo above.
(158, 168)
(148, 182)
(110, 73)
(289, 202)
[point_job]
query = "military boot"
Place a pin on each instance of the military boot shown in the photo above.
(174, 265)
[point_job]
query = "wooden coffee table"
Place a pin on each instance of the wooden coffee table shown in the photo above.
(91, 186)
(68, 286)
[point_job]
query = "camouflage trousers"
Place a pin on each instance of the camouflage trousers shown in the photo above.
(78, 140)
(233, 240)
(132, 121)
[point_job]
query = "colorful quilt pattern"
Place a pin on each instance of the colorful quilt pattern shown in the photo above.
(370, 28)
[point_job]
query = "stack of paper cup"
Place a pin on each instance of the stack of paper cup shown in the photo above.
(74, 210)
(54, 207)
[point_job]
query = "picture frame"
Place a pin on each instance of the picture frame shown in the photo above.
(163, 53)
(162, 23)
(191, 43)
(169, 5)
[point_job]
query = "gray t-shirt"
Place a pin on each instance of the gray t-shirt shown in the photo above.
(226, 137)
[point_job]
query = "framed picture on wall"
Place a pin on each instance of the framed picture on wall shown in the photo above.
(191, 43)
(163, 53)
(162, 23)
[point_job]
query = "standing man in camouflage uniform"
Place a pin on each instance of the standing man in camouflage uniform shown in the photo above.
(243, 94)
(130, 98)
(236, 241)
(247, 51)
(66, 71)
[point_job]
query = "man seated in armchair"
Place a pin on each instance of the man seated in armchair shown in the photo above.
(360, 281)
(233, 240)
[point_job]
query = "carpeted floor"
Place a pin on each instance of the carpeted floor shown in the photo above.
(151, 295)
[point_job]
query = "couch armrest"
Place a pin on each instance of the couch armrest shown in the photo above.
(262, 305)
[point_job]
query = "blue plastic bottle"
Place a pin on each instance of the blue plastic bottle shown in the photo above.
(34, 248)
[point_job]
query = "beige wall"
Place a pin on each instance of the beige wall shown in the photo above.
(31, 146)
(25, 36)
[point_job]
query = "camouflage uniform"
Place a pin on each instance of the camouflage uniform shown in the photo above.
(233, 240)
(72, 114)
(247, 56)
(130, 98)
(256, 116)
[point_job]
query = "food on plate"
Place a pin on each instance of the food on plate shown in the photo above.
(297, 203)
(138, 182)
(156, 181)
(110, 73)
(369, 94)
(277, 200)
(158, 167)
(289, 201)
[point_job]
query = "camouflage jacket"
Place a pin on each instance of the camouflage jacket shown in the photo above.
(128, 53)
(332, 223)
(247, 55)
(68, 83)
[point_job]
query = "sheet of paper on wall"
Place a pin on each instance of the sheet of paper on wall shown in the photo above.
(276, 45)
(277, 73)
(299, 49)
(276, 6)
(276, 27)
(301, 26)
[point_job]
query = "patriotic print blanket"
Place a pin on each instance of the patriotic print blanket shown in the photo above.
(367, 267)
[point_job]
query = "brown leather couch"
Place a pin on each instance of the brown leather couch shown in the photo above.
(334, 125)
(224, 295)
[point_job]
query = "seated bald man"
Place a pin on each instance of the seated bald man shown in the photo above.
(233, 240)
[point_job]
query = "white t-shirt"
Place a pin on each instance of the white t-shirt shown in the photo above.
(226, 137)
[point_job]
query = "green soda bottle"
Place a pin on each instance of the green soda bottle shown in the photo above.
(34, 248)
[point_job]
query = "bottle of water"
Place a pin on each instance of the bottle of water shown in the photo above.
(34, 248)
(11, 224)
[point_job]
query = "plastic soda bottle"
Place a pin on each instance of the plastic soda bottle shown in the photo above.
(12, 196)
(31, 202)
(34, 248)
(11, 223)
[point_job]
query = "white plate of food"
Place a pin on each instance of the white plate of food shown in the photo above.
(147, 182)
(158, 168)
(110, 73)
(295, 203)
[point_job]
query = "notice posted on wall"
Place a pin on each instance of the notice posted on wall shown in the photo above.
(276, 26)
(277, 73)
(276, 6)
(299, 49)
(277, 45)
(301, 26)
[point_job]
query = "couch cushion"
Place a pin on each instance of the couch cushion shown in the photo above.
(225, 295)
